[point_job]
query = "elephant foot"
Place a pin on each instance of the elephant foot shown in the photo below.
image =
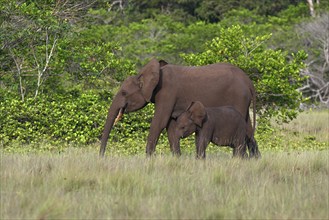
(149, 152)
(253, 149)
(176, 153)
(257, 155)
(240, 151)
(200, 157)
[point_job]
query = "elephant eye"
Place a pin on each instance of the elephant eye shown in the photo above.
(124, 93)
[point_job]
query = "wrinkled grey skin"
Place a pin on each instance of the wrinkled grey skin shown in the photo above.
(170, 87)
(223, 126)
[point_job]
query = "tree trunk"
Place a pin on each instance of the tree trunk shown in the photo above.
(311, 7)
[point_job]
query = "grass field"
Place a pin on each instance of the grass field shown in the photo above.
(309, 125)
(76, 184)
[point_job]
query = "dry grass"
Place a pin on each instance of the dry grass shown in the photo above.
(313, 124)
(78, 185)
(309, 131)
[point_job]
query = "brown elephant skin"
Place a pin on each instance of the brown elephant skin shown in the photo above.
(223, 126)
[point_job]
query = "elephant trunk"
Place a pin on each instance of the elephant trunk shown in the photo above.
(113, 116)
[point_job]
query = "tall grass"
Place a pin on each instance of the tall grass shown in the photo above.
(309, 131)
(78, 184)
(313, 124)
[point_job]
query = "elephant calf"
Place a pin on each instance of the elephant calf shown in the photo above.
(220, 125)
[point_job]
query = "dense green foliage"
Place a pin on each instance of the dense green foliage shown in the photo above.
(275, 74)
(62, 62)
(73, 117)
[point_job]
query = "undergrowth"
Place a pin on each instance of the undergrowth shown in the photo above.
(309, 131)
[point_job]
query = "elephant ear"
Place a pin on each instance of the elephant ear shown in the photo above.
(149, 78)
(197, 112)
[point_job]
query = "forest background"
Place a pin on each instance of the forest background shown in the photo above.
(61, 62)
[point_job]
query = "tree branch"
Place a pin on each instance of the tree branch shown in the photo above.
(19, 73)
(48, 57)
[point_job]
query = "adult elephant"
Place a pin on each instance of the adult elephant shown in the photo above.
(172, 88)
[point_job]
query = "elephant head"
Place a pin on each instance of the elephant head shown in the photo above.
(188, 121)
(135, 93)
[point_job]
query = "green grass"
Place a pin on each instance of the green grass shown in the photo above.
(77, 184)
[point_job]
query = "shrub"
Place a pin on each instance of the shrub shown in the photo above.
(74, 117)
(275, 73)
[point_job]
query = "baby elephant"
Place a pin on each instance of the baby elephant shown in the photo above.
(221, 126)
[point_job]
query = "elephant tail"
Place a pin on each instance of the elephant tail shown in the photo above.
(253, 93)
(253, 150)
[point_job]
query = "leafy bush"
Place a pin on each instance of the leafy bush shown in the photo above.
(275, 73)
(71, 118)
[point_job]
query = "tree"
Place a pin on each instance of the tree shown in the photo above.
(315, 35)
(29, 36)
(311, 6)
(92, 62)
(44, 47)
(215, 10)
(275, 73)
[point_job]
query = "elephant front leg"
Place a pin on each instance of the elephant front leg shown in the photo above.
(159, 122)
(201, 144)
(152, 139)
(150, 146)
(240, 151)
(174, 140)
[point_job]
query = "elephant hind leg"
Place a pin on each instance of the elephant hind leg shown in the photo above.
(251, 142)
(253, 148)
